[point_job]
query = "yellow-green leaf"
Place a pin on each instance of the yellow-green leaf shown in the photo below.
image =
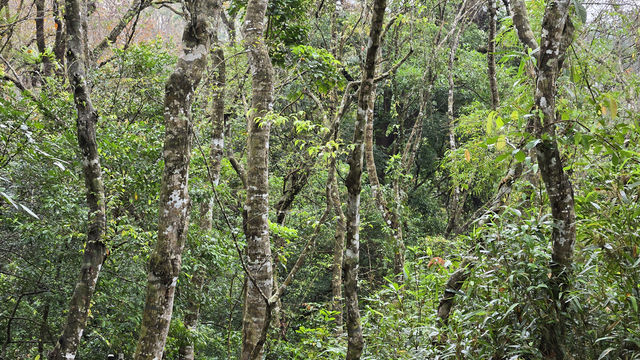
(613, 107)
(490, 122)
(501, 143)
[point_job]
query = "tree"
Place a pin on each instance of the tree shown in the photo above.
(165, 261)
(557, 35)
(354, 186)
(259, 273)
(95, 249)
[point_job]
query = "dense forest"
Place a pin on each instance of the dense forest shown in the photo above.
(319, 179)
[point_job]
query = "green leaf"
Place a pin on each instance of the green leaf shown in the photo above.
(634, 303)
(28, 211)
(501, 143)
(490, 122)
(605, 352)
(580, 10)
(520, 156)
(9, 199)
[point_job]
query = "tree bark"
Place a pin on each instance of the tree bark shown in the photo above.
(556, 28)
(192, 316)
(40, 39)
(259, 279)
(389, 214)
(338, 247)
(353, 184)
(452, 287)
(95, 251)
(165, 261)
(60, 43)
(455, 207)
(522, 25)
(491, 54)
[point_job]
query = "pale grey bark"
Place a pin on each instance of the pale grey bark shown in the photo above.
(389, 214)
(95, 251)
(455, 205)
(166, 259)
(216, 113)
(338, 247)
(521, 24)
(353, 183)
(557, 33)
(259, 277)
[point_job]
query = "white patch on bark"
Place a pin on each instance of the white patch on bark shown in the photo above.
(543, 102)
(197, 53)
(349, 254)
(176, 199)
(218, 143)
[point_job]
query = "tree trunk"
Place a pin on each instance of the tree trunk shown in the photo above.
(353, 184)
(557, 33)
(522, 25)
(453, 286)
(95, 250)
(40, 39)
(338, 247)
(44, 329)
(192, 313)
(389, 214)
(60, 43)
(259, 279)
(455, 206)
(194, 301)
(165, 261)
(491, 54)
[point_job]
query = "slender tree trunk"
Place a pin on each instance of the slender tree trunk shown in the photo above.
(557, 33)
(491, 54)
(353, 184)
(455, 206)
(389, 214)
(192, 313)
(95, 250)
(522, 25)
(40, 39)
(60, 43)
(44, 329)
(333, 189)
(338, 247)
(165, 261)
(192, 316)
(259, 280)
